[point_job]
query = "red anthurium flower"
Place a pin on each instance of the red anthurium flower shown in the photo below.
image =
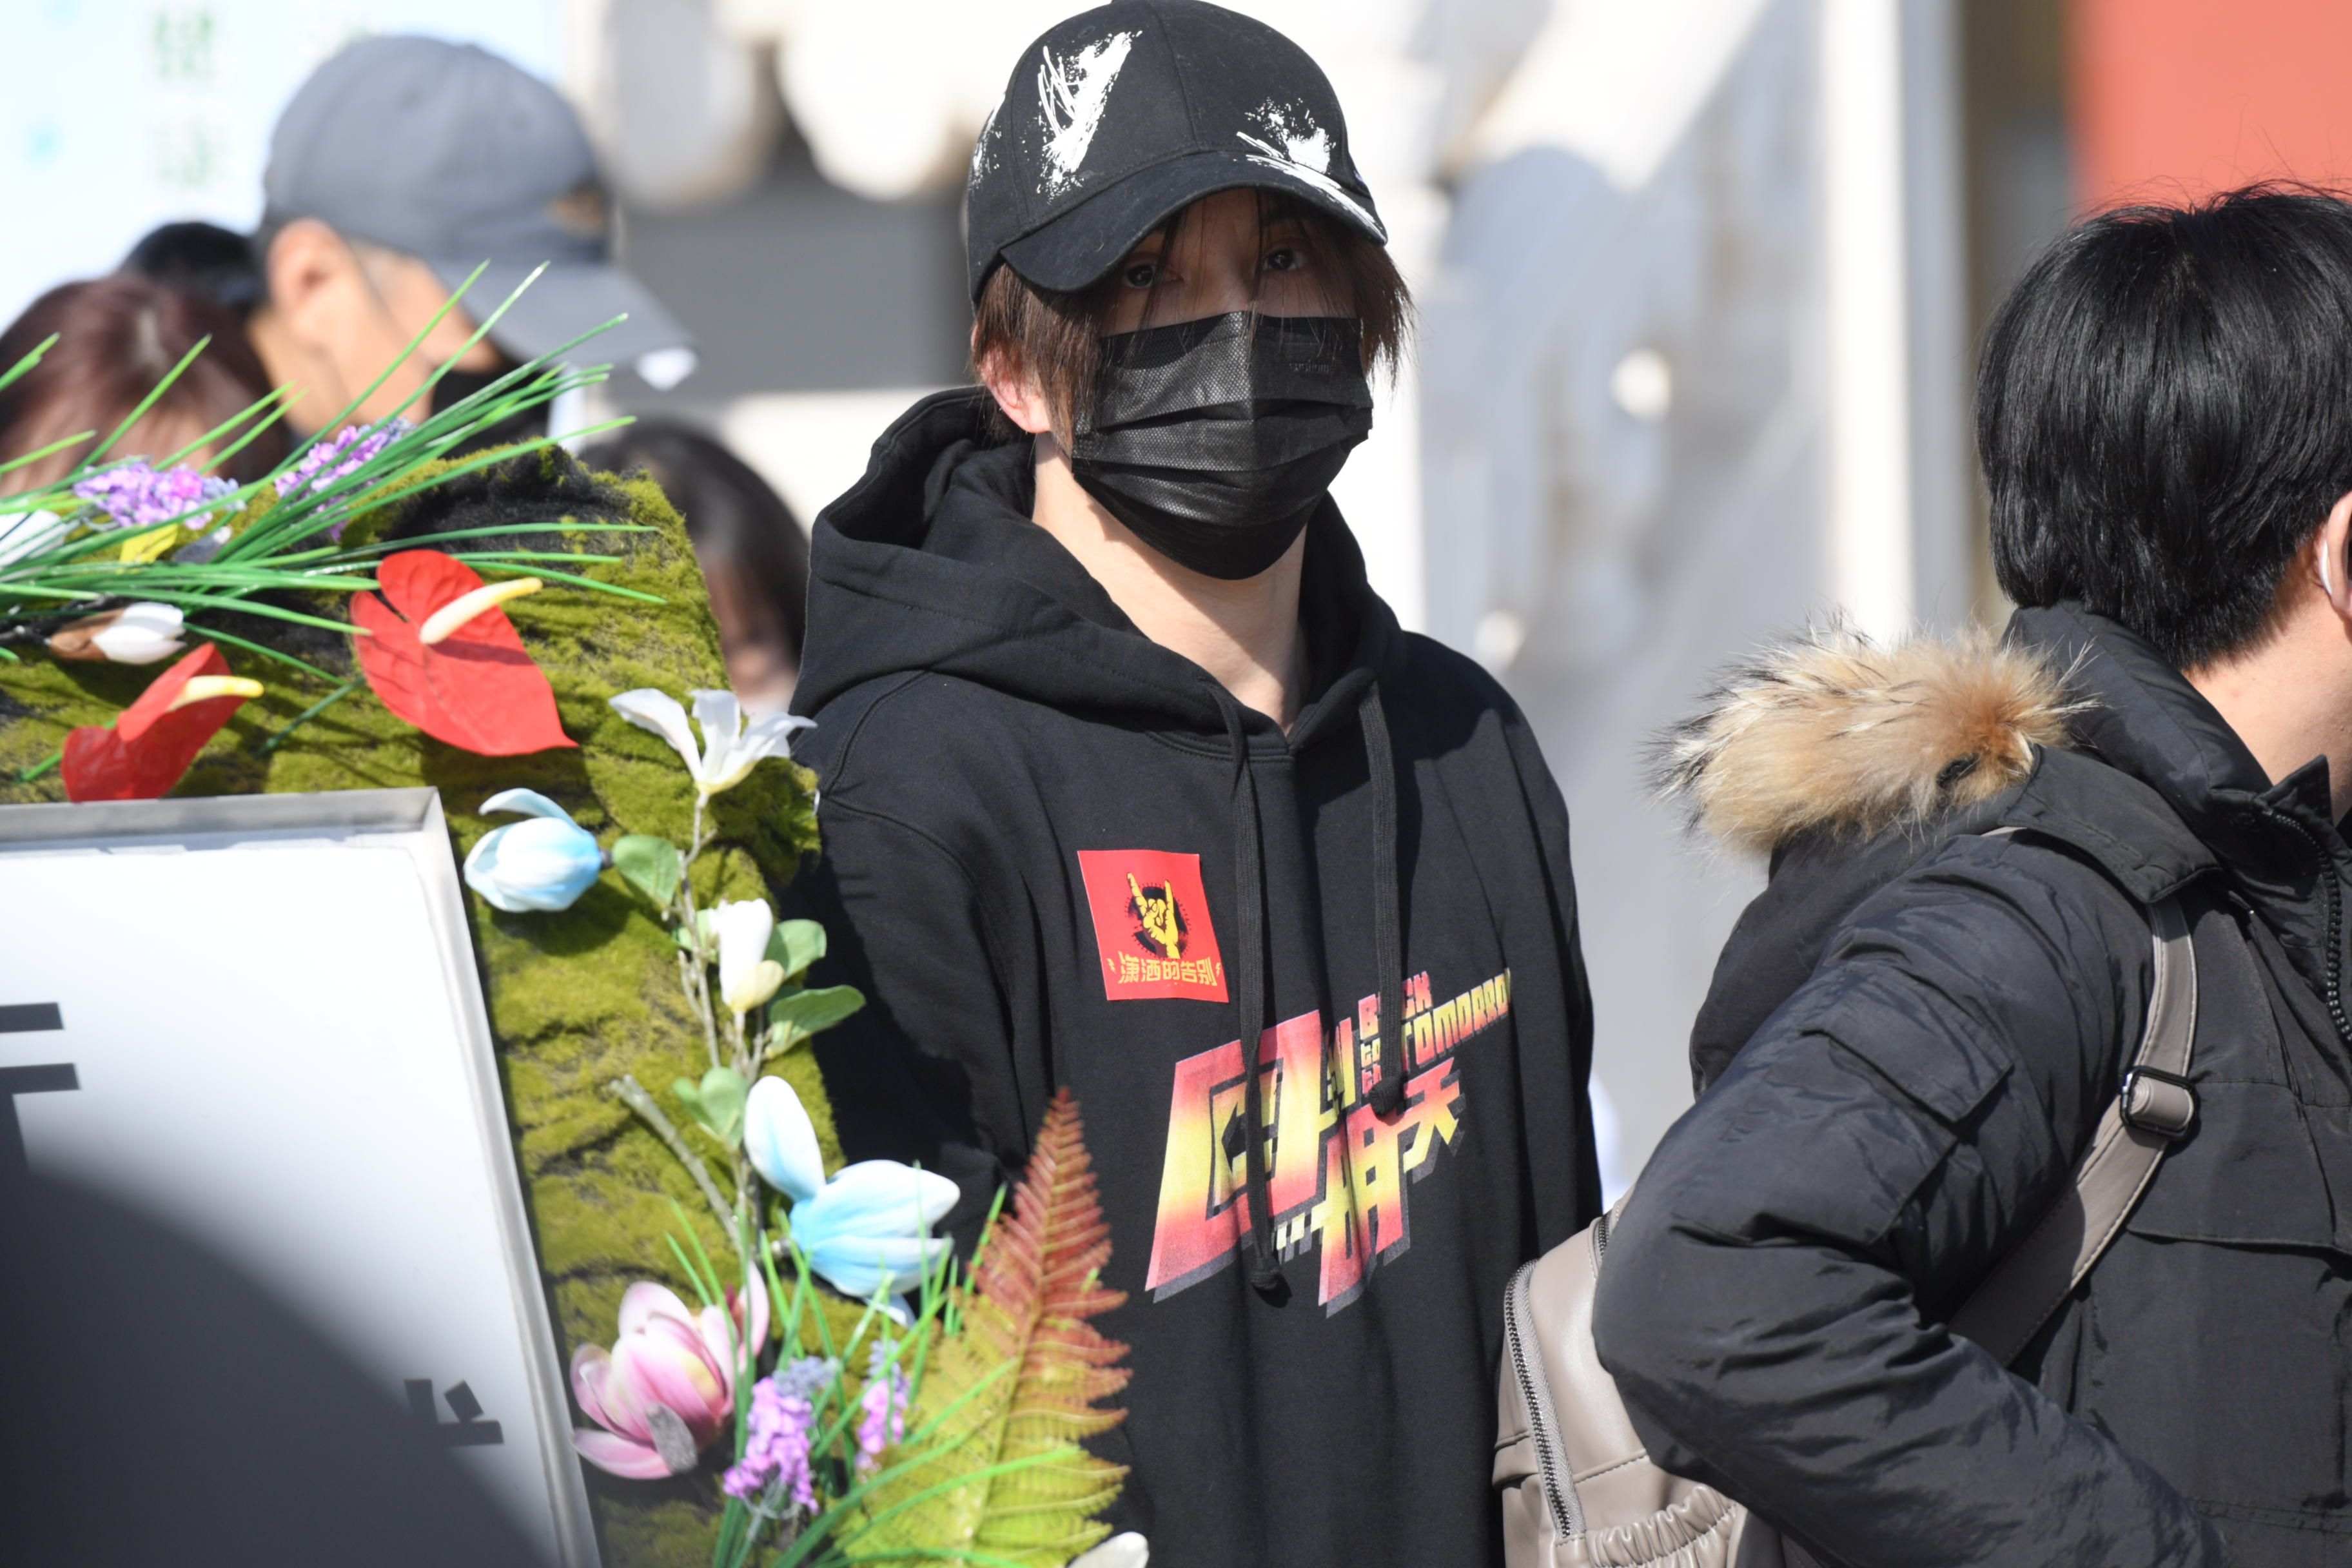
(444, 657)
(150, 744)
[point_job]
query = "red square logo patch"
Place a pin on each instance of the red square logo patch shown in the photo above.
(1151, 925)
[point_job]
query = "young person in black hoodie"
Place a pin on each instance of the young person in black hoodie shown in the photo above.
(1131, 784)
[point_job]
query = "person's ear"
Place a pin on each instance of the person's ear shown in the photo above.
(1021, 398)
(308, 267)
(2329, 561)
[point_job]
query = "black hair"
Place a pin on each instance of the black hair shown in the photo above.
(2163, 413)
(1056, 335)
(203, 258)
(742, 530)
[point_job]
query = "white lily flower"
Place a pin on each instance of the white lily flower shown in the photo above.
(747, 975)
(23, 532)
(143, 634)
(729, 748)
(135, 634)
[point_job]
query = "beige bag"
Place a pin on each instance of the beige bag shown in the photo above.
(1579, 1491)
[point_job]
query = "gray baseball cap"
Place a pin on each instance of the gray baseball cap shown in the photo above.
(451, 154)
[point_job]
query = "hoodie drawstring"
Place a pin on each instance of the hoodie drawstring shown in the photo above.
(1264, 1263)
(1388, 913)
(1249, 894)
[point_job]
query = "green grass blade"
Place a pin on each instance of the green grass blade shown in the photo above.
(249, 607)
(637, 593)
(479, 333)
(32, 358)
(386, 547)
(214, 634)
(273, 406)
(332, 427)
(14, 463)
(148, 401)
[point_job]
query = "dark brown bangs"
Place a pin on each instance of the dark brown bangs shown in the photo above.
(1055, 336)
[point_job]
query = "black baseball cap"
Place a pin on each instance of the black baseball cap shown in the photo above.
(457, 157)
(1124, 114)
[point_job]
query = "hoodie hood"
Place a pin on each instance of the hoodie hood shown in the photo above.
(931, 565)
(939, 527)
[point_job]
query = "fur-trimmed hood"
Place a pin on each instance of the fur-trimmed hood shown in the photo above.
(1829, 730)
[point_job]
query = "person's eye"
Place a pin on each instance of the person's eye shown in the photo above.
(1140, 274)
(1283, 258)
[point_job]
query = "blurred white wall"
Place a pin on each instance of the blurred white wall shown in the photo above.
(123, 114)
(1692, 374)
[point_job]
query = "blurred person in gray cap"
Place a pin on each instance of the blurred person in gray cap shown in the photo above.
(398, 167)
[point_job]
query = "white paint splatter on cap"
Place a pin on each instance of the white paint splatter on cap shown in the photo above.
(1304, 150)
(1071, 99)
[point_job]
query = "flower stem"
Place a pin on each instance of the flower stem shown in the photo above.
(631, 1093)
(26, 775)
(697, 974)
(304, 717)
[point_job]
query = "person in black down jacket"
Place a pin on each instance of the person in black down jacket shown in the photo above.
(1915, 1028)
(1132, 785)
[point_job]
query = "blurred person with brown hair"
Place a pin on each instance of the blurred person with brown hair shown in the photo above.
(1133, 786)
(754, 557)
(118, 337)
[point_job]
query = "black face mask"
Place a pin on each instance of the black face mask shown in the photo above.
(1214, 439)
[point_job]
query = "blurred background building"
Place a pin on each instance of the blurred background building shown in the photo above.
(1700, 283)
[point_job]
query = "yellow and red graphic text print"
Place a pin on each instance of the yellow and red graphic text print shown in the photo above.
(1151, 925)
(1337, 1172)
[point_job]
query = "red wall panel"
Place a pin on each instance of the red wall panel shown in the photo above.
(2172, 99)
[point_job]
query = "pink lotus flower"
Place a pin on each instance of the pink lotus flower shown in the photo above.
(667, 1388)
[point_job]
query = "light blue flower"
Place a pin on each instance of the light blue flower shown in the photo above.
(545, 863)
(780, 1141)
(868, 1230)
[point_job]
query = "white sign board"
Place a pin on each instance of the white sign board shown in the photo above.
(257, 1018)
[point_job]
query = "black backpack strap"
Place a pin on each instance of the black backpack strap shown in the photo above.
(2155, 1109)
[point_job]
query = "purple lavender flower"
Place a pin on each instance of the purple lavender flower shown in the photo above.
(884, 1419)
(341, 455)
(808, 1377)
(774, 1469)
(884, 1406)
(337, 458)
(140, 495)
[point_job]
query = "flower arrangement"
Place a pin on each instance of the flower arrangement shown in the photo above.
(117, 559)
(839, 1390)
(958, 1440)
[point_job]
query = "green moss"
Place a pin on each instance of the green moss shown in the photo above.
(575, 998)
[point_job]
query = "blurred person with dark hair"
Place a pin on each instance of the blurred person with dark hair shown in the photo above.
(203, 258)
(753, 555)
(118, 337)
(401, 164)
(1133, 786)
(1924, 1024)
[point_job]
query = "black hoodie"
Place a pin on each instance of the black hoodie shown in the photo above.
(1056, 853)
